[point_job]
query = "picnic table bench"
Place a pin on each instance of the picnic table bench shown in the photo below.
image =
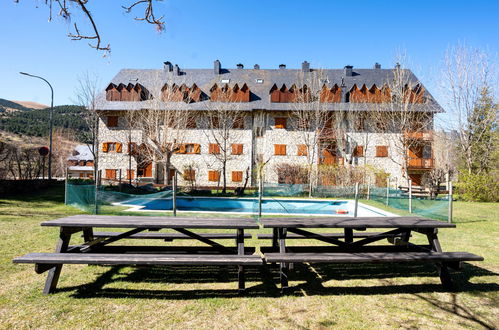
(96, 249)
(352, 247)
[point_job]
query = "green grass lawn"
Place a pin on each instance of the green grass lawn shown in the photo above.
(324, 296)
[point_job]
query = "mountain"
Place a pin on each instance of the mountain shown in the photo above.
(31, 105)
(19, 119)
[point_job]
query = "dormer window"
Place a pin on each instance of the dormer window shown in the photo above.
(292, 95)
(176, 93)
(230, 94)
(130, 92)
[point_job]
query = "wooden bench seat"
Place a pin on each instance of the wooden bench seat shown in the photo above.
(137, 259)
(372, 257)
(331, 235)
(168, 236)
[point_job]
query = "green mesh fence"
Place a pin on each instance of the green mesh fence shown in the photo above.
(110, 201)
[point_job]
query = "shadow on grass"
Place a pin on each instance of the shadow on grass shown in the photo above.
(311, 278)
(54, 193)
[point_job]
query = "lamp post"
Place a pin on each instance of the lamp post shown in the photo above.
(50, 121)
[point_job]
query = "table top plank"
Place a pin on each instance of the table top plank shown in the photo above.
(109, 221)
(358, 222)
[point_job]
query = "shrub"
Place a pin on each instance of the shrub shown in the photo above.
(478, 187)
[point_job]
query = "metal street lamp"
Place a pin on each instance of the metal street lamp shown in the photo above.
(50, 120)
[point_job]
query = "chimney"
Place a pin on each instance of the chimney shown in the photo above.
(240, 66)
(168, 66)
(176, 70)
(217, 67)
(256, 67)
(282, 66)
(377, 65)
(305, 66)
(348, 71)
(397, 66)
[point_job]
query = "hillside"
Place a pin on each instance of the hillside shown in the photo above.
(34, 122)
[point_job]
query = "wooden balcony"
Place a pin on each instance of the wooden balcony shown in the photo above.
(420, 163)
(421, 135)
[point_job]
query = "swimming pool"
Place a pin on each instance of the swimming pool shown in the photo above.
(250, 205)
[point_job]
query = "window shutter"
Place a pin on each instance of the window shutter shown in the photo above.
(112, 121)
(119, 147)
(302, 150)
(181, 149)
(130, 174)
(381, 151)
(359, 151)
(197, 148)
(213, 176)
(105, 147)
(237, 176)
(237, 149)
(280, 149)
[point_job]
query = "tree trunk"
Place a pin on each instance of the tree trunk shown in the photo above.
(224, 188)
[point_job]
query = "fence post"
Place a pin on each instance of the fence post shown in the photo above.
(260, 193)
(66, 188)
(356, 199)
(174, 194)
(450, 202)
(387, 189)
(410, 196)
(96, 192)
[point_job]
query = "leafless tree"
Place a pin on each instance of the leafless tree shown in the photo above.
(161, 128)
(310, 117)
(224, 127)
(468, 72)
(87, 90)
(68, 8)
(403, 115)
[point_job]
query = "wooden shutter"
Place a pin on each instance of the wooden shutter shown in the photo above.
(280, 149)
(197, 148)
(119, 147)
(132, 147)
(214, 149)
(130, 174)
(280, 122)
(359, 151)
(112, 121)
(213, 176)
(105, 147)
(189, 175)
(110, 174)
(181, 149)
(302, 150)
(381, 151)
(238, 123)
(237, 176)
(237, 149)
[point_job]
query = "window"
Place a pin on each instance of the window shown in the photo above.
(237, 176)
(215, 123)
(259, 81)
(381, 151)
(189, 148)
(280, 122)
(280, 149)
(191, 122)
(189, 175)
(359, 123)
(213, 176)
(130, 174)
(110, 174)
(112, 121)
(237, 149)
(358, 151)
(302, 150)
(111, 146)
(214, 149)
(225, 81)
(238, 123)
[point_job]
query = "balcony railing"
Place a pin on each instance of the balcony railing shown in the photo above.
(421, 135)
(420, 163)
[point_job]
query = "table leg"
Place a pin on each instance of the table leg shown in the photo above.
(284, 267)
(88, 234)
(55, 272)
(275, 243)
(348, 235)
(240, 251)
(443, 271)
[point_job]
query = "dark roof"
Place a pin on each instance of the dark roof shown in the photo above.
(154, 79)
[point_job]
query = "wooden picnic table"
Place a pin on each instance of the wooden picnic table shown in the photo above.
(354, 247)
(97, 249)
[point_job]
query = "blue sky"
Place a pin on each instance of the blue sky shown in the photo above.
(329, 34)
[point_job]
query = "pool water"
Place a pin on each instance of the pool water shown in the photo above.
(250, 205)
